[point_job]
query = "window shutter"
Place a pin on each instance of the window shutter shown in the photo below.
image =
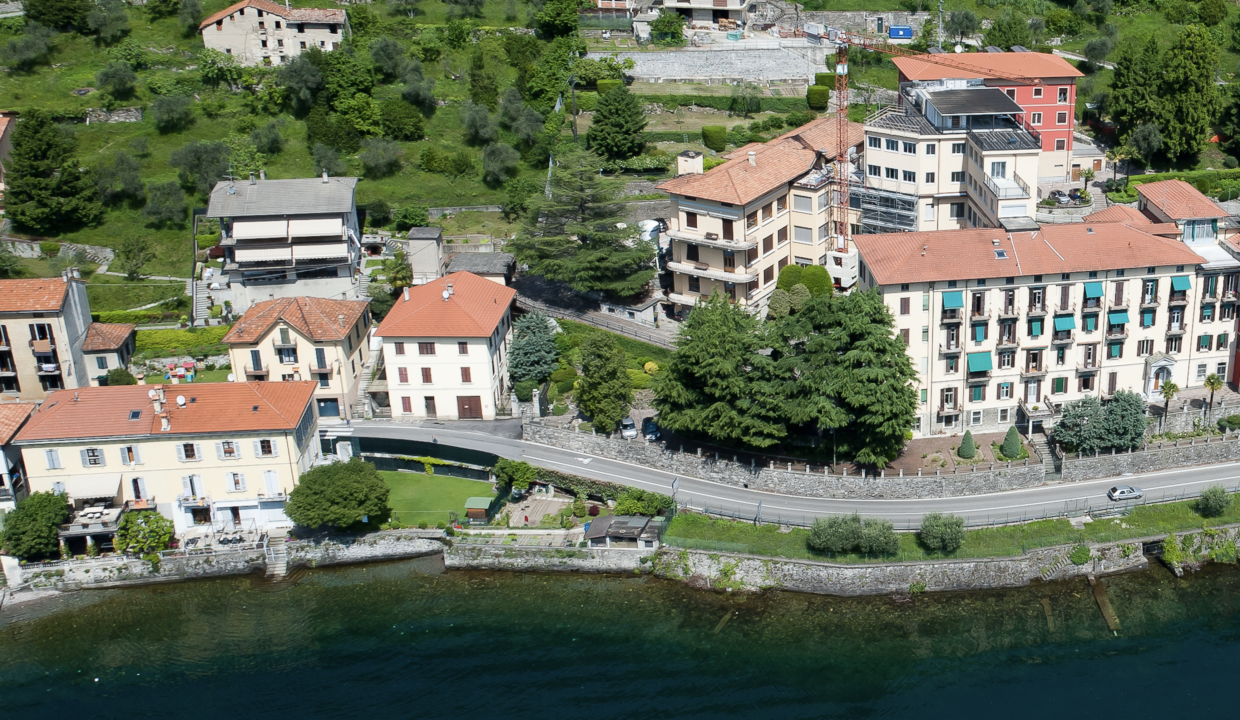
(275, 447)
(185, 485)
(258, 449)
(58, 488)
(237, 449)
(271, 481)
(142, 487)
(124, 456)
(241, 479)
(85, 461)
(137, 455)
(181, 452)
(197, 451)
(102, 460)
(219, 450)
(53, 459)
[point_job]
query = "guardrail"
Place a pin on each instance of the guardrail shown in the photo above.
(527, 304)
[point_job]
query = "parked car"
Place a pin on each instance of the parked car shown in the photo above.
(628, 429)
(1125, 492)
(1060, 197)
(650, 429)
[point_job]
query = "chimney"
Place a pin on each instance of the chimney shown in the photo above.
(689, 162)
(164, 423)
(77, 273)
(262, 173)
(324, 176)
(251, 177)
(340, 320)
(160, 390)
(450, 290)
(406, 294)
(75, 396)
(159, 404)
(753, 158)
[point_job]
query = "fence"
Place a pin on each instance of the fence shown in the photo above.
(600, 322)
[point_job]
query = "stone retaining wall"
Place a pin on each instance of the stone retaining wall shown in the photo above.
(1180, 453)
(722, 571)
(657, 455)
(348, 550)
(541, 559)
(122, 571)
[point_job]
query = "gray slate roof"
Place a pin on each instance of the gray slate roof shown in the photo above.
(493, 263)
(424, 233)
(301, 196)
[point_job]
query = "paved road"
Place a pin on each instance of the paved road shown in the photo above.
(1012, 506)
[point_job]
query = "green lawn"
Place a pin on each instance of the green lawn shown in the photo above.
(697, 531)
(417, 497)
(109, 292)
(633, 349)
(210, 376)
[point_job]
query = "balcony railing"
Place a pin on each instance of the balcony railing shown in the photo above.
(1065, 309)
(1037, 310)
(1178, 298)
(1121, 304)
(709, 241)
(949, 408)
(1008, 311)
(1117, 332)
(1033, 371)
(979, 315)
(980, 376)
(1006, 341)
(1175, 328)
(185, 500)
(1149, 301)
(321, 369)
(1088, 366)
(251, 370)
(952, 315)
(47, 368)
(1005, 189)
(1063, 337)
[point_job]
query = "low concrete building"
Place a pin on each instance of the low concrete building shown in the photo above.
(497, 267)
(259, 32)
(424, 251)
(43, 328)
(108, 346)
(12, 472)
(633, 532)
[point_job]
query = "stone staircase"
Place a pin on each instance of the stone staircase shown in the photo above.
(202, 302)
(1042, 446)
(1053, 570)
(277, 554)
(363, 386)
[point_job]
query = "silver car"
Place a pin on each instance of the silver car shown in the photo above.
(1125, 492)
(628, 429)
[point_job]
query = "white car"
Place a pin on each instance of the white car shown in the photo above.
(628, 429)
(1125, 492)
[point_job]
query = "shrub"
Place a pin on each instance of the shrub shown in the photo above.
(120, 376)
(836, 534)
(143, 533)
(638, 379)
(587, 101)
(1011, 444)
(967, 448)
(944, 533)
(916, 588)
(515, 474)
(818, 97)
(1230, 162)
(878, 537)
(525, 390)
(179, 339)
(606, 86)
(650, 368)
(565, 386)
(49, 249)
(579, 507)
(1079, 555)
(816, 279)
(380, 157)
(411, 216)
(824, 79)
(715, 137)
(1214, 501)
(171, 112)
(31, 530)
(789, 275)
(642, 502)
(567, 373)
(1231, 422)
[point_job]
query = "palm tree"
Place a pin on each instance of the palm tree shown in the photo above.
(1169, 390)
(397, 271)
(1118, 155)
(1213, 383)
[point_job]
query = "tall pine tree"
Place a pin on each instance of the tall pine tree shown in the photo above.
(618, 124)
(572, 237)
(1190, 99)
(533, 355)
(717, 383)
(604, 392)
(1135, 86)
(47, 188)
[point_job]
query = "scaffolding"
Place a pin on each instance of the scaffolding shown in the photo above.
(884, 211)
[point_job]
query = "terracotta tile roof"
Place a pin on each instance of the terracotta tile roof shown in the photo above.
(210, 408)
(987, 65)
(778, 162)
(106, 336)
(970, 254)
(1118, 213)
(316, 318)
(34, 295)
(473, 310)
(1179, 201)
(12, 415)
(290, 14)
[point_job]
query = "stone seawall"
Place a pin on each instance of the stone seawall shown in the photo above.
(1009, 476)
(1177, 454)
(541, 559)
(120, 571)
(723, 571)
(348, 550)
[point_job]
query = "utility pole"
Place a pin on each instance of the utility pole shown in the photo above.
(572, 85)
(940, 24)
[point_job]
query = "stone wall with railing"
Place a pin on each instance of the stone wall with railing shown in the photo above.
(1155, 456)
(995, 477)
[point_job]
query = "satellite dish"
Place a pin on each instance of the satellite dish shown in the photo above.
(181, 400)
(232, 378)
(152, 394)
(446, 294)
(958, 49)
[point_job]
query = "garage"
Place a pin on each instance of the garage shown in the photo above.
(469, 407)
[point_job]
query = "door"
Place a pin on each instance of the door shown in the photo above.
(469, 407)
(236, 515)
(1098, 165)
(329, 408)
(998, 169)
(1031, 391)
(1076, 173)
(430, 407)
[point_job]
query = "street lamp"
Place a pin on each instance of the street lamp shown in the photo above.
(833, 460)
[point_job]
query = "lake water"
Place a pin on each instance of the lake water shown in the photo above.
(406, 640)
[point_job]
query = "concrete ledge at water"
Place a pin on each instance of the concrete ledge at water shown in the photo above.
(350, 549)
(541, 559)
(98, 573)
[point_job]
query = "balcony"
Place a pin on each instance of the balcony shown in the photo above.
(1178, 298)
(1033, 372)
(1118, 306)
(981, 376)
(8, 371)
(291, 344)
(1087, 367)
(1229, 295)
(952, 315)
(324, 369)
(947, 409)
(1150, 301)
(1117, 332)
(1005, 189)
(1175, 329)
(192, 501)
(1037, 310)
(950, 349)
(47, 368)
(1063, 337)
(1008, 313)
(1008, 342)
(273, 497)
(1062, 309)
(1208, 299)
(251, 371)
(701, 269)
(979, 316)
(711, 240)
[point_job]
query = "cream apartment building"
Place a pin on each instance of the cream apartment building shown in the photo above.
(958, 154)
(259, 32)
(1006, 327)
(218, 454)
(735, 226)
(445, 349)
(305, 338)
(43, 325)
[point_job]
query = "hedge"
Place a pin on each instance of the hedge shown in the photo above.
(824, 79)
(586, 101)
(715, 137)
(723, 102)
(818, 97)
(606, 86)
(137, 317)
(1212, 180)
(180, 339)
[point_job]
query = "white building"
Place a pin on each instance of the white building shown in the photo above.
(259, 32)
(445, 349)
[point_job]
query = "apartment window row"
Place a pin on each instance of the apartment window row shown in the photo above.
(402, 374)
(908, 148)
(428, 348)
(907, 176)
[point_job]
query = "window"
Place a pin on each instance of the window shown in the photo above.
(823, 234)
(802, 203)
(1207, 313)
(824, 200)
(406, 405)
(428, 348)
(925, 301)
(892, 173)
(462, 348)
(1221, 344)
(975, 416)
(925, 333)
(928, 213)
(1115, 350)
(910, 148)
(951, 364)
(957, 148)
(263, 43)
(802, 234)
(334, 29)
(768, 275)
(228, 450)
(956, 211)
(1035, 118)
(1061, 144)
(873, 170)
(781, 204)
(751, 221)
(1221, 369)
(695, 285)
(400, 348)
(781, 236)
(874, 142)
(236, 482)
(426, 375)
(691, 253)
(904, 306)
(1063, 94)
(977, 393)
(931, 148)
(1227, 312)
(288, 356)
(1145, 347)
(1203, 342)
(1086, 383)
(261, 25)
(958, 176)
(466, 376)
(303, 44)
(53, 459)
(893, 145)
(1173, 345)
(130, 455)
(1201, 371)
(189, 452)
(908, 176)
(930, 179)
(1061, 118)
(1005, 393)
(403, 374)
(767, 212)
(904, 335)
(101, 363)
(264, 448)
(691, 220)
(1007, 360)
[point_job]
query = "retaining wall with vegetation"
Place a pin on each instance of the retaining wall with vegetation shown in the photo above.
(979, 480)
(1160, 456)
(351, 549)
(541, 559)
(121, 571)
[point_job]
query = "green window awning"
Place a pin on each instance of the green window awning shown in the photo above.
(1093, 290)
(1065, 322)
(1091, 323)
(1035, 327)
(1181, 282)
(1147, 318)
(953, 300)
(1116, 348)
(979, 333)
(980, 362)
(1117, 317)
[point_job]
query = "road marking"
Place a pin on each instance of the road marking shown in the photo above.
(584, 461)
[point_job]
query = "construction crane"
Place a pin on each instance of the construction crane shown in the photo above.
(845, 39)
